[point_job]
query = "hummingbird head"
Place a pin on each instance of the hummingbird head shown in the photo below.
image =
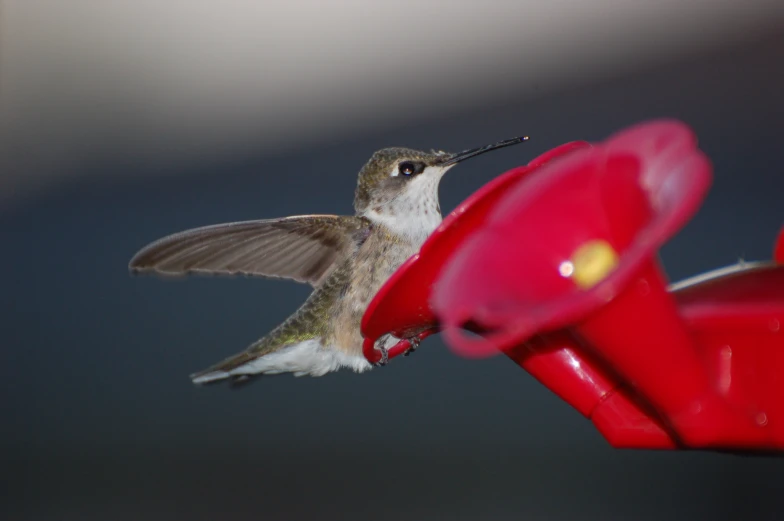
(398, 187)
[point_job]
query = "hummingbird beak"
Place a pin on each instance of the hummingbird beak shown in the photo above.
(465, 154)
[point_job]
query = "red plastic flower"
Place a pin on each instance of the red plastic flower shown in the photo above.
(555, 264)
(569, 238)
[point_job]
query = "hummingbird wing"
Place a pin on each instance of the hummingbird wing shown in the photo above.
(304, 248)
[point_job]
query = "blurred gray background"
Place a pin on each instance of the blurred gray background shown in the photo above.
(121, 122)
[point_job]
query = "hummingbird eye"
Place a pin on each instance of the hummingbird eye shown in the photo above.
(409, 168)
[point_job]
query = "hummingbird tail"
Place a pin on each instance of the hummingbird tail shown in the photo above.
(222, 371)
(309, 357)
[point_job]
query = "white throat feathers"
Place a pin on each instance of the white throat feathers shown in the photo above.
(415, 212)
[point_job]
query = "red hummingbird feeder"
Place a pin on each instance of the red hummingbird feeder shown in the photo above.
(555, 264)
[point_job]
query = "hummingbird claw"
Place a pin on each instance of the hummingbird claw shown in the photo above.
(384, 356)
(414, 344)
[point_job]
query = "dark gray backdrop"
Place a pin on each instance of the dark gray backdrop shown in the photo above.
(100, 421)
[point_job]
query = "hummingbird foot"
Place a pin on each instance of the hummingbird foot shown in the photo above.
(384, 356)
(413, 343)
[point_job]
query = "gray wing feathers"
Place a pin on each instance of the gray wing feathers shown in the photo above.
(303, 248)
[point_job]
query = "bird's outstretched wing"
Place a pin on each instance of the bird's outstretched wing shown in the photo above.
(305, 248)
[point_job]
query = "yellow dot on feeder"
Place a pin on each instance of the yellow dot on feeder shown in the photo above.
(592, 262)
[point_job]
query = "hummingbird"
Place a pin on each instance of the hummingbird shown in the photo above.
(345, 258)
